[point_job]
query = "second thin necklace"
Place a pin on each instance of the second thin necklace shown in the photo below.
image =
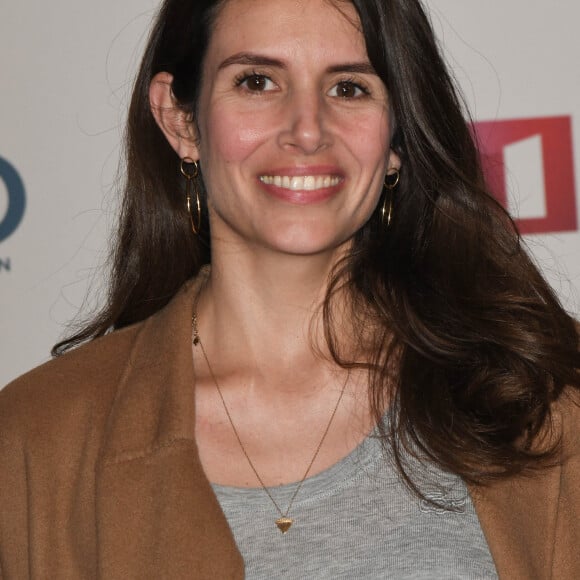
(284, 522)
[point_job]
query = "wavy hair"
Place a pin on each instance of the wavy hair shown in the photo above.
(470, 345)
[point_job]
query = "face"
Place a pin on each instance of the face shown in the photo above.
(294, 126)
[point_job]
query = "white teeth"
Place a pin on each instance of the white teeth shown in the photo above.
(301, 182)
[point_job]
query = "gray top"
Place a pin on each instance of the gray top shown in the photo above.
(357, 520)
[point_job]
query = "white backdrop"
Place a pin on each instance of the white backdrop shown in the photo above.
(66, 69)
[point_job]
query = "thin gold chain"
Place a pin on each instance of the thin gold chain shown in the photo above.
(284, 514)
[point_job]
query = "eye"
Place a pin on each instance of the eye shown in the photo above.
(348, 90)
(255, 83)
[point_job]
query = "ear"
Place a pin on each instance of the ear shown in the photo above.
(393, 163)
(172, 120)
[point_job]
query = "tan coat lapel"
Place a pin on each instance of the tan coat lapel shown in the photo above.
(532, 524)
(518, 519)
(157, 516)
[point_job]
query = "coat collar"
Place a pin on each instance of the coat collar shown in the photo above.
(157, 516)
(519, 518)
(155, 401)
(532, 521)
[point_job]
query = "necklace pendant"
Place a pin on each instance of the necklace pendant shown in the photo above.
(284, 523)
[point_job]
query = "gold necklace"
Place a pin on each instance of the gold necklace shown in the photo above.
(284, 521)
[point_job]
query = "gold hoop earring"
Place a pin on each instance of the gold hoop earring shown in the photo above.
(191, 176)
(387, 209)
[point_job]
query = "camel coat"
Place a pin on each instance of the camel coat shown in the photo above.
(100, 476)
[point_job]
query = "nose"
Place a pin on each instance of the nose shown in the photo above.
(305, 126)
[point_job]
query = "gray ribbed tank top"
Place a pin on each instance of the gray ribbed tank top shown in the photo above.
(357, 520)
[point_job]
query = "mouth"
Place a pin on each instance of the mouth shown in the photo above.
(301, 182)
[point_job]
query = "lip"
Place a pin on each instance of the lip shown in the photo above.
(302, 197)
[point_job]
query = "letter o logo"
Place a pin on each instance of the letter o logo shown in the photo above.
(16, 199)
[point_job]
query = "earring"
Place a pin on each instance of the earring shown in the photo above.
(387, 209)
(191, 176)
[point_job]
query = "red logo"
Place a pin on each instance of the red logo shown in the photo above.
(529, 165)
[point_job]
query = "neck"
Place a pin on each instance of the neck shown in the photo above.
(264, 312)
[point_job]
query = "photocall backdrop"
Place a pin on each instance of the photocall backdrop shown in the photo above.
(67, 68)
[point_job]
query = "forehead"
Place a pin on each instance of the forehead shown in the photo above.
(288, 27)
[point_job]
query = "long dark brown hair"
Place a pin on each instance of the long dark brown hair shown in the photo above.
(470, 345)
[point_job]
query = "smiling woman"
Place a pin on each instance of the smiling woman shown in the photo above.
(292, 138)
(325, 353)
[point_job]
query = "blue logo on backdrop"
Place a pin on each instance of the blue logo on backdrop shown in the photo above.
(16, 199)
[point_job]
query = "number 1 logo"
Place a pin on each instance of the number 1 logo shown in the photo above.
(529, 165)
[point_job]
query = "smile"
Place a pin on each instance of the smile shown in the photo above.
(301, 182)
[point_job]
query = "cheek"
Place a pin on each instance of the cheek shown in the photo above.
(232, 137)
(371, 139)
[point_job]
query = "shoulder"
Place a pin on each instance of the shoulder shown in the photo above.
(72, 395)
(76, 391)
(67, 392)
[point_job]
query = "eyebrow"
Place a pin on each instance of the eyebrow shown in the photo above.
(365, 68)
(249, 58)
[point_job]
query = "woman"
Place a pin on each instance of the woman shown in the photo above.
(381, 383)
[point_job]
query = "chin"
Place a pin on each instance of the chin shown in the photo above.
(310, 244)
